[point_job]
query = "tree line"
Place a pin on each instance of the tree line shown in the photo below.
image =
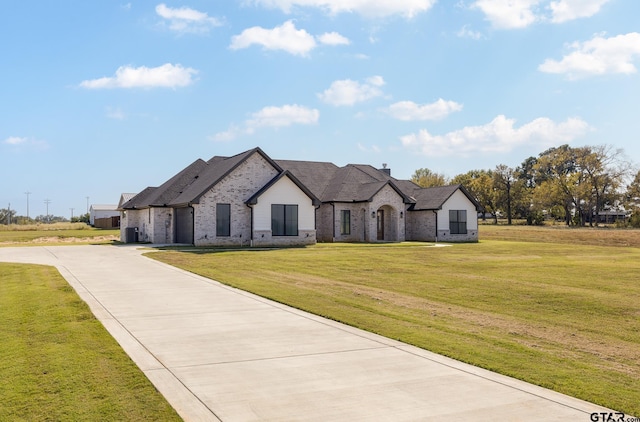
(9, 216)
(571, 184)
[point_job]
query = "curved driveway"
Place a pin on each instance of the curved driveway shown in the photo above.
(221, 354)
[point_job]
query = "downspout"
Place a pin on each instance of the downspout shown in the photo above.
(193, 223)
(251, 227)
(436, 213)
(333, 223)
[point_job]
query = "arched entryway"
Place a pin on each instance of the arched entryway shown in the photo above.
(380, 225)
(386, 224)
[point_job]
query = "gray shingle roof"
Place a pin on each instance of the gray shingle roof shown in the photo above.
(191, 183)
(215, 170)
(351, 183)
(323, 181)
(435, 197)
(140, 200)
(316, 176)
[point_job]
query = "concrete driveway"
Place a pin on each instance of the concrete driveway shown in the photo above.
(221, 354)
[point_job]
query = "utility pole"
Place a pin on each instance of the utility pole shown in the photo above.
(47, 202)
(87, 205)
(27, 193)
(9, 214)
(72, 213)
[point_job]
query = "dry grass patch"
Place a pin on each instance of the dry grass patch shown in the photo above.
(63, 234)
(597, 236)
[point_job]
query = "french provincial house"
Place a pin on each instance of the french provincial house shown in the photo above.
(250, 199)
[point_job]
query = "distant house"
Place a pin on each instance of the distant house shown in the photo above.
(250, 199)
(104, 216)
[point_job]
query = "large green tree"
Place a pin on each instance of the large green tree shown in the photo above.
(480, 184)
(560, 180)
(509, 189)
(427, 179)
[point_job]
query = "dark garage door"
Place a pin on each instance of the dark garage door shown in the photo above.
(184, 225)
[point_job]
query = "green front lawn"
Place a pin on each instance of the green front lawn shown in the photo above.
(59, 363)
(564, 316)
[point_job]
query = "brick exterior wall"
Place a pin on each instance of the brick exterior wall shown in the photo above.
(235, 189)
(358, 222)
(421, 226)
(324, 227)
(363, 225)
(391, 203)
(161, 227)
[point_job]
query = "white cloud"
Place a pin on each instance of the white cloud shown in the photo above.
(271, 116)
(373, 148)
(465, 32)
(15, 140)
(368, 8)
(166, 76)
(347, 92)
(511, 14)
(333, 38)
(508, 14)
(23, 142)
(285, 37)
(498, 136)
(286, 115)
(408, 110)
(598, 56)
(185, 19)
(566, 10)
(115, 113)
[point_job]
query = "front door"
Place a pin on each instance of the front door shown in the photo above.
(380, 223)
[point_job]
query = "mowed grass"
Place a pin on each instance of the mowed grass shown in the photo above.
(59, 363)
(57, 233)
(558, 313)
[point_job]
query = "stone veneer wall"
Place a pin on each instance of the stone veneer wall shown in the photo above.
(446, 236)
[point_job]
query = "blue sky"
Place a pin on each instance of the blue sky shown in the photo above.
(104, 97)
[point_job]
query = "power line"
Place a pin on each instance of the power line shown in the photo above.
(47, 201)
(27, 193)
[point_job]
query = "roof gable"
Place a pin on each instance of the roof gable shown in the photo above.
(315, 175)
(254, 198)
(435, 197)
(351, 183)
(140, 200)
(217, 169)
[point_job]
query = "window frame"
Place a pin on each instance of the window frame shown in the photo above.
(223, 225)
(345, 222)
(458, 221)
(284, 220)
